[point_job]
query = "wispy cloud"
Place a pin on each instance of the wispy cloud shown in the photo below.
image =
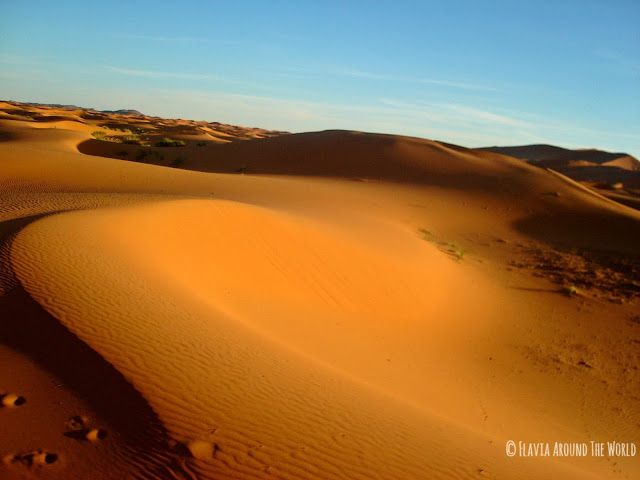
(157, 74)
(13, 59)
(452, 84)
(168, 39)
(628, 63)
(456, 114)
(485, 116)
(159, 38)
(348, 72)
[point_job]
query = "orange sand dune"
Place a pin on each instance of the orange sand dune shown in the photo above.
(625, 162)
(286, 321)
(603, 171)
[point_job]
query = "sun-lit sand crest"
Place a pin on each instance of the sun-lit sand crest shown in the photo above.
(374, 316)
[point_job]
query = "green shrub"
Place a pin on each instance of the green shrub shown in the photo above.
(454, 250)
(131, 140)
(570, 290)
(427, 235)
(450, 248)
(149, 156)
(141, 154)
(170, 142)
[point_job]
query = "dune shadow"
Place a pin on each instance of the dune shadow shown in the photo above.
(328, 154)
(19, 111)
(537, 290)
(598, 251)
(593, 231)
(6, 136)
(603, 174)
(54, 118)
(27, 328)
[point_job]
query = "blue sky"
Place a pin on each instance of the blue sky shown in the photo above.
(474, 73)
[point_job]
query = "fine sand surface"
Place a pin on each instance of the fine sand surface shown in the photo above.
(328, 305)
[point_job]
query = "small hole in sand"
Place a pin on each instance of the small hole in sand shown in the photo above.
(11, 400)
(50, 458)
(94, 434)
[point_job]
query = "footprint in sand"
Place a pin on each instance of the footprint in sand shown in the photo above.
(34, 458)
(11, 400)
(200, 449)
(79, 429)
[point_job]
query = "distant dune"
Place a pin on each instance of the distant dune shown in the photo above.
(195, 300)
(615, 175)
(549, 156)
(134, 113)
(531, 153)
(125, 111)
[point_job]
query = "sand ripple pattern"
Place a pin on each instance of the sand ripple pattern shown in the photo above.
(240, 401)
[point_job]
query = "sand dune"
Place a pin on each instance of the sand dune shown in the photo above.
(330, 305)
(547, 155)
(614, 175)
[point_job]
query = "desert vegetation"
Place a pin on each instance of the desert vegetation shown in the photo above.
(170, 142)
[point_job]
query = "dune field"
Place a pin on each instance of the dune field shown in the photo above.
(193, 300)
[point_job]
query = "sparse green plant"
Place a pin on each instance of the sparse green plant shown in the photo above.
(170, 142)
(99, 134)
(449, 248)
(427, 235)
(149, 156)
(131, 139)
(570, 290)
(453, 249)
(141, 154)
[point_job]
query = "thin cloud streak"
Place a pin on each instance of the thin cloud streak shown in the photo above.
(154, 38)
(485, 116)
(347, 72)
(12, 59)
(620, 60)
(453, 113)
(156, 74)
